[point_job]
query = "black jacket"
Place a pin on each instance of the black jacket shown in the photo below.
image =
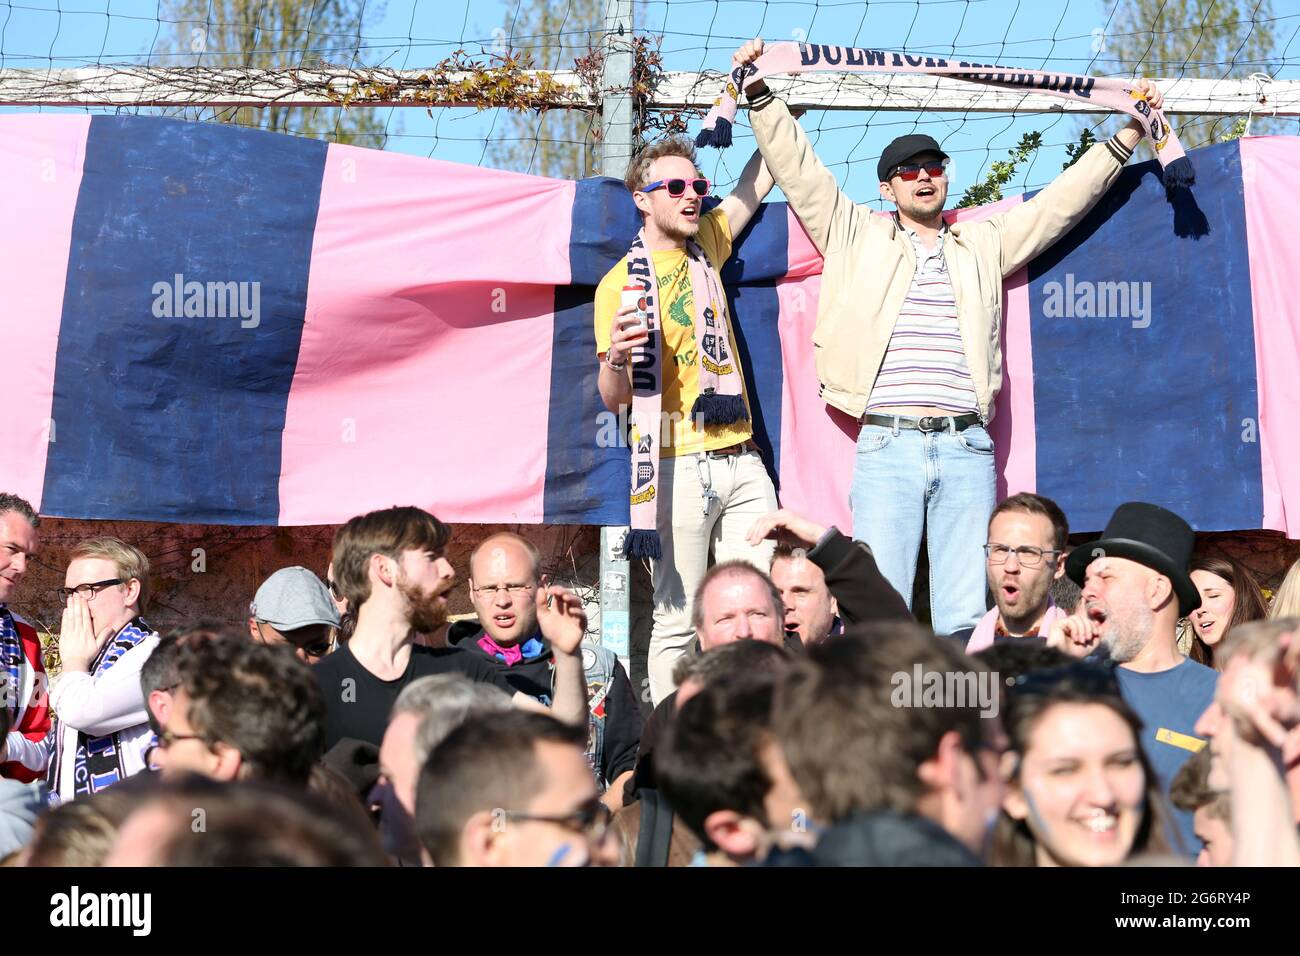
(534, 677)
(855, 581)
(882, 838)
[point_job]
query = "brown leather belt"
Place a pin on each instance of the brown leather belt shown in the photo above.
(739, 449)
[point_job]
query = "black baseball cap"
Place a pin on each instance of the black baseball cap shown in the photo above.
(903, 149)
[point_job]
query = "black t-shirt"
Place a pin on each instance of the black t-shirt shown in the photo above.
(357, 703)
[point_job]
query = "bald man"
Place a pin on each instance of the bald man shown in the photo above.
(505, 573)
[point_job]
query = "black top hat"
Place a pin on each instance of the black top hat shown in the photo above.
(1150, 535)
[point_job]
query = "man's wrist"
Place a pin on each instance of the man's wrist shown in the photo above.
(759, 95)
(616, 364)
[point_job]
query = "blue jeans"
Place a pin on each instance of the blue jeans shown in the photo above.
(905, 481)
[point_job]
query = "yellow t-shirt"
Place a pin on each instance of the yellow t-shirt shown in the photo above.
(679, 436)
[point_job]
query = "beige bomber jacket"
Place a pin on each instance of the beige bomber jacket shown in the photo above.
(869, 261)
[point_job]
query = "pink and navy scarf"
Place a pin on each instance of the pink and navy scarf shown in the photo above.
(1117, 93)
(720, 402)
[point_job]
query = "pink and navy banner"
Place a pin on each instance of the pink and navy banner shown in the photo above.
(203, 323)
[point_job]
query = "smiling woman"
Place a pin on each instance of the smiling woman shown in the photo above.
(1080, 791)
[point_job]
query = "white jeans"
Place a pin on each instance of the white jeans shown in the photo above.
(687, 533)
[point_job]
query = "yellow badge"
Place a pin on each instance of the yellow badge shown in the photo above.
(641, 497)
(715, 368)
(1175, 739)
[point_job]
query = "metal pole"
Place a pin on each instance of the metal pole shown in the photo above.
(615, 153)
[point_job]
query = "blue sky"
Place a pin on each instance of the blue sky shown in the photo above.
(697, 34)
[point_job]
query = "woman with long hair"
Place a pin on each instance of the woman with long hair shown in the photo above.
(1080, 791)
(1229, 596)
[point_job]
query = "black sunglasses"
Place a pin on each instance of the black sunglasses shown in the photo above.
(676, 187)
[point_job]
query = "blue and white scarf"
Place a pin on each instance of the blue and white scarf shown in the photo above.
(11, 659)
(97, 764)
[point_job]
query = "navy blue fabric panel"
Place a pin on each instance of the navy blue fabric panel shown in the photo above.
(587, 459)
(761, 251)
(755, 310)
(1157, 401)
(180, 418)
(605, 221)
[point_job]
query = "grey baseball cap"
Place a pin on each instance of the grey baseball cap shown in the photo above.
(292, 598)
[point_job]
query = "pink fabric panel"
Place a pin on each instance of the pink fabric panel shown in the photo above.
(40, 169)
(409, 355)
(1269, 165)
(817, 441)
(802, 257)
(1012, 428)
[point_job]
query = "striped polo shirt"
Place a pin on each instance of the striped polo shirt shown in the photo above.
(925, 364)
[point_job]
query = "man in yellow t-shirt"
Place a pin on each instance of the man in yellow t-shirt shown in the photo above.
(712, 482)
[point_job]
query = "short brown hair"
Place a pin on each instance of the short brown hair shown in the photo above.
(488, 762)
(1191, 790)
(21, 507)
(129, 561)
(1028, 503)
(261, 701)
(737, 567)
(849, 748)
(388, 532)
(639, 169)
(738, 657)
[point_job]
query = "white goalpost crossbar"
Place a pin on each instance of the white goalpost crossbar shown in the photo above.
(140, 86)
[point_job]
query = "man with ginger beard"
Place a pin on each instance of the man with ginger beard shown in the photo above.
(390, 567)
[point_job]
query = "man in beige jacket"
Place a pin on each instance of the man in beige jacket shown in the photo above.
(907, 336)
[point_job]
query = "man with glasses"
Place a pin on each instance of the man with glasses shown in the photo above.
(505, 573)
(24, 753)
(1024, 554)
(292, 608)
(908, 332)
(239, 711)
(102, 729)
(512, 789)
(711, 481)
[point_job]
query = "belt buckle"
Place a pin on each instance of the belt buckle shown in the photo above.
(927, 424)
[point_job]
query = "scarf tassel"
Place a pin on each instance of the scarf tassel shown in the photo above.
(1179, 174)
(641, 543)
(714, 409)
(718, 136)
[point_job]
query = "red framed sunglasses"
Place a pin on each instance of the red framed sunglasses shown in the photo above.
(911, 171)
(677, 187)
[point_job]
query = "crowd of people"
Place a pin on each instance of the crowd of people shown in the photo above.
(1132, 699)
(815, 722)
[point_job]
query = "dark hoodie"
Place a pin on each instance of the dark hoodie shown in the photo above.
(620, 711)
(882, 838)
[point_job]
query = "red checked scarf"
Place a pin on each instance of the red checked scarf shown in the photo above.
(720, 401)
